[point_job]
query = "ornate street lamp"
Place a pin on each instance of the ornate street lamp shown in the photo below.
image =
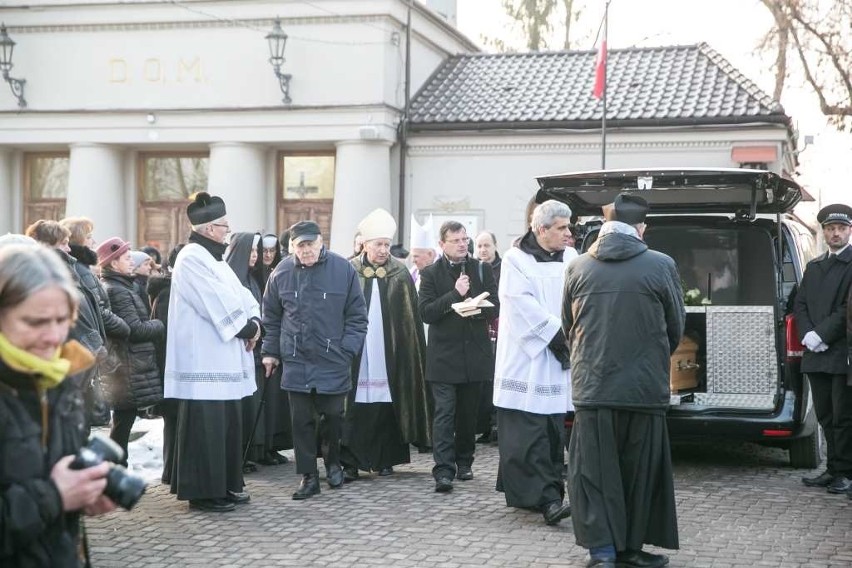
(277, 42)
(7, 46)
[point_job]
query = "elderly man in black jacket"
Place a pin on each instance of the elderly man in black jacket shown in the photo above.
(623, 315)
(315, 319)
(459, 358)
(820, 311)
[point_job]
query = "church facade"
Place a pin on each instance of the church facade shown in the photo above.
(133, 106)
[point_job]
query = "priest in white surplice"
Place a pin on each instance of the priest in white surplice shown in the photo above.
(214, 323)
(532, 387)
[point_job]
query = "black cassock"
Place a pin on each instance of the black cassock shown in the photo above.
(531, 457)
(208, 441)
(620, 479)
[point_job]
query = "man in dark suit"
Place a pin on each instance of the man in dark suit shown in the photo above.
(458, 352)
(820, 311)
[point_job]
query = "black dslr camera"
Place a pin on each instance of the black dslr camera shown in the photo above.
(125, 489)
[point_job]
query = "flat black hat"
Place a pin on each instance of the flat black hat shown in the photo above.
(835, 213)
(204, 208)
(630, 209)
(304, 231)
(399, 251)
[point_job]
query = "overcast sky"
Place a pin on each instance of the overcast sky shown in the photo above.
(731, 27)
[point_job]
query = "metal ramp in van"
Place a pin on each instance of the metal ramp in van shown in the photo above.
(742, 363)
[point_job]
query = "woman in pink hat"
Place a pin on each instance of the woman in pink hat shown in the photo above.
(133, 379)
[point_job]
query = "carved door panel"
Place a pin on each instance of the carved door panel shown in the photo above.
(318, 210)
(162, 225)
(51, 209)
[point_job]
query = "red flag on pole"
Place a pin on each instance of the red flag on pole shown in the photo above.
(600, 70)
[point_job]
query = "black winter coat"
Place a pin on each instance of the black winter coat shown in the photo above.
(458, 349)
(623, 315)
(315, 319)
(112, 325)
(821, 306)
(34, 531)
(89, 327)
(133, 379)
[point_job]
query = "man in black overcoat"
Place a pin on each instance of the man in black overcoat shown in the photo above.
(458, 352)
(820, 311)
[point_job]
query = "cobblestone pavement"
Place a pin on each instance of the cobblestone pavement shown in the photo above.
(738, 505)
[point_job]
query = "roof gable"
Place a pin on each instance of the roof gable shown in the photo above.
(662, 85)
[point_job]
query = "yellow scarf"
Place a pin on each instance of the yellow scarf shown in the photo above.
(48, 373)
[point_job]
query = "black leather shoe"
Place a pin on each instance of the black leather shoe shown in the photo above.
(272, 458)
(334, 477)
(249, 467)
(822, 480)
(211, 505)
(600, 563)
(640, 559)
(385, 471)
(350, 474)
(484, 438)
(308, 487)
(464, 474)
(555, 511)
(238, 498)
(443, 485)
(840, 485)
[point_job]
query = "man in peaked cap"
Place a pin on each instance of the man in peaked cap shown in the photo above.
(315, 320)
(820, 311)
(214, 323)
(387, 410)
(621, 338)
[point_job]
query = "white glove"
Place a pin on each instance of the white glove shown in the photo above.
(812, 341)
(820, 348)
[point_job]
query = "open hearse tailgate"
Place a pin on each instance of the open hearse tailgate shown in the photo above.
(674, 190)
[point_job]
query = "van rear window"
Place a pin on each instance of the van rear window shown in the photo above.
(730, 266)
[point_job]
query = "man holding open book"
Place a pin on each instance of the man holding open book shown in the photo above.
(458, 297)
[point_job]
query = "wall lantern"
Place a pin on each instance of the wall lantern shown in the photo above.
(277, 42)
(7, 46)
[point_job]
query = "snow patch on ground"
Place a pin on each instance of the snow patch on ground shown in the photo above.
(146, 452)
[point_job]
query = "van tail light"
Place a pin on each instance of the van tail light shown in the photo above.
(794, 346)
(777, 433)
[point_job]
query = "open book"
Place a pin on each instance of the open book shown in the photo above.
(472, 306)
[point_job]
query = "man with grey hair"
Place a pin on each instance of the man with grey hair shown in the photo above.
(214, 324)
(623, 314)
(532, 390)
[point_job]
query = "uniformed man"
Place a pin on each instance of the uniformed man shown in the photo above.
(820, 311)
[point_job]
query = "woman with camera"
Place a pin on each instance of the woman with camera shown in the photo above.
(133, 379)
(41, 414)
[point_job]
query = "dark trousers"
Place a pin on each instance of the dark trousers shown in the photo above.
(122, 424)
(454, 426)
(305, 408)
(833, 407)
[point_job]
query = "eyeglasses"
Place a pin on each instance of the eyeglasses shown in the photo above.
(463, 240)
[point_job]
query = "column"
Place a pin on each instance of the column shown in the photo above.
(238, 176)
(8, 211)
(96, 190)
(361, 183)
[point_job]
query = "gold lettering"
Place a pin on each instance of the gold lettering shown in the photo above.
(191, 69)
(117, 71)
(153, 71)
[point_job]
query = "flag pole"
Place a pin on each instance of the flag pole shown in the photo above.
(603, 98)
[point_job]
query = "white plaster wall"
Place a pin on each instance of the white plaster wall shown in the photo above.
(492, 178)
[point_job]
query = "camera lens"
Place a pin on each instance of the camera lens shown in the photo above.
(124, 488)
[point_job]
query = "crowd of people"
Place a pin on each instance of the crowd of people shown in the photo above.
(248, 344)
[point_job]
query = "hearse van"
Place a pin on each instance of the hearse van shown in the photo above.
(741, 254)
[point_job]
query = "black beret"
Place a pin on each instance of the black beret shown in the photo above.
(630, 209)
(204, 208)
(835, 213)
